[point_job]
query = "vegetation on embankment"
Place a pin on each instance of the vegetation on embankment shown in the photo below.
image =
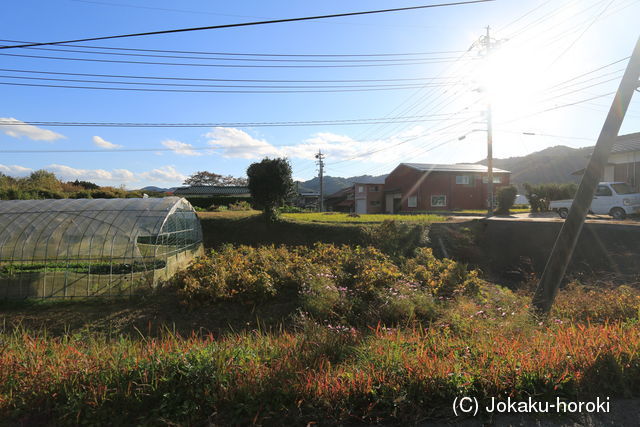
(484, 346)
(248, 228)
(343, 218)
(364, 337)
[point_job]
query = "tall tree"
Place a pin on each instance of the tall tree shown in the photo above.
(203, 178)
(210, 178)
(269, 183)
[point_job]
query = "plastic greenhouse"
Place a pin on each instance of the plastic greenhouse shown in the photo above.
(93, 247)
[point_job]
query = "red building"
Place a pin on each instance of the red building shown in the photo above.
(368, 194)
(416, 187)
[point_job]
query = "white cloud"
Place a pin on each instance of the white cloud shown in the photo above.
(232, 142)
(69, 173)
(15, 170)
(181, 148)
(163, 174)
(17, 129)
(100, 142)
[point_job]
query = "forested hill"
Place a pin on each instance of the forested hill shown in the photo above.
(553, 164)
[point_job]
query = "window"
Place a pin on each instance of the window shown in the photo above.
(360, 189)
(623, 188)
(463, 179)
(439, 200)
(374, 188)
(603, 190)
(412, 201)
(374, 203)
(496, 179)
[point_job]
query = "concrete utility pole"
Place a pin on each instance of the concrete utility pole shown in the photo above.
(487, 43)
(320, 158)
(566, 242)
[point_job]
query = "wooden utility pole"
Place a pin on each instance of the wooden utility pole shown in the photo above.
(320, 158)
(487, 44)
(563, 248)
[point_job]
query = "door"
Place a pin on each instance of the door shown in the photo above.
(361, 206)
(602, 201)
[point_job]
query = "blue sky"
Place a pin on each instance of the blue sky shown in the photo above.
(548, 57)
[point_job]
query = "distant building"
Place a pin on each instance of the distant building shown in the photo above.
(307, 199)
(624, 161)
(419, 187)
(213, 191)
(340, 201)
(368, 195)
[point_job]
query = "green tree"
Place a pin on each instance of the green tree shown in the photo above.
(45, 180)
(269, 183)
(506, 199)
(210, 178)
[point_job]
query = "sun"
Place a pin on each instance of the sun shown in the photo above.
(513, 80)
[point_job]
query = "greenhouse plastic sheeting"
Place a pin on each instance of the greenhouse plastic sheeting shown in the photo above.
(38, 235)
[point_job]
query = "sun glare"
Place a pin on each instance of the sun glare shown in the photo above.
(514, 81)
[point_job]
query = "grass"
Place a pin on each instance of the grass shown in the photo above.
(314, 347)
(228, 214)
(333, 217)
(480, 346)
(343, 218)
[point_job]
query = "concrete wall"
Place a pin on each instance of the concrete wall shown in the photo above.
(508, 248)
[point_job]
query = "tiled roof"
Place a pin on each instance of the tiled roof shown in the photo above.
(340, 193)
(626, 143)
(211, 190)
(452, 168)
(370, 180)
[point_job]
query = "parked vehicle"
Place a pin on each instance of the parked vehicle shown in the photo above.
(617, 199)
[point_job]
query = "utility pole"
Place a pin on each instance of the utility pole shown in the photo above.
(565, 244)
(487, 43)
(320, 158)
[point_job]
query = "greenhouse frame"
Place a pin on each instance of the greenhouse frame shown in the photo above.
(93, 247)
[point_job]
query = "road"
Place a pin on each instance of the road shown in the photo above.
(550, 217)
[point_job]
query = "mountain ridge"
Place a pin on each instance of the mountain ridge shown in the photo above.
(553, 164)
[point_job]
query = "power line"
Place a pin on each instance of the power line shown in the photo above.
(128, 76)
(238, 54)
(557, 107)
(247, 24)
(130, 89)
(373, 86)
(339, 122)
(591, 72)
(595, 19)
(187, 64)
(94, 52)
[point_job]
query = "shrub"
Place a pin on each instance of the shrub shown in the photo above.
(443, 278)
(291, 209)
(103, 194)
(397, 239)
(240, 205)
(344, 284)
(506, 199)
(541, 195)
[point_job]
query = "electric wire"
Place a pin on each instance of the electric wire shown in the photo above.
(247, 24)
